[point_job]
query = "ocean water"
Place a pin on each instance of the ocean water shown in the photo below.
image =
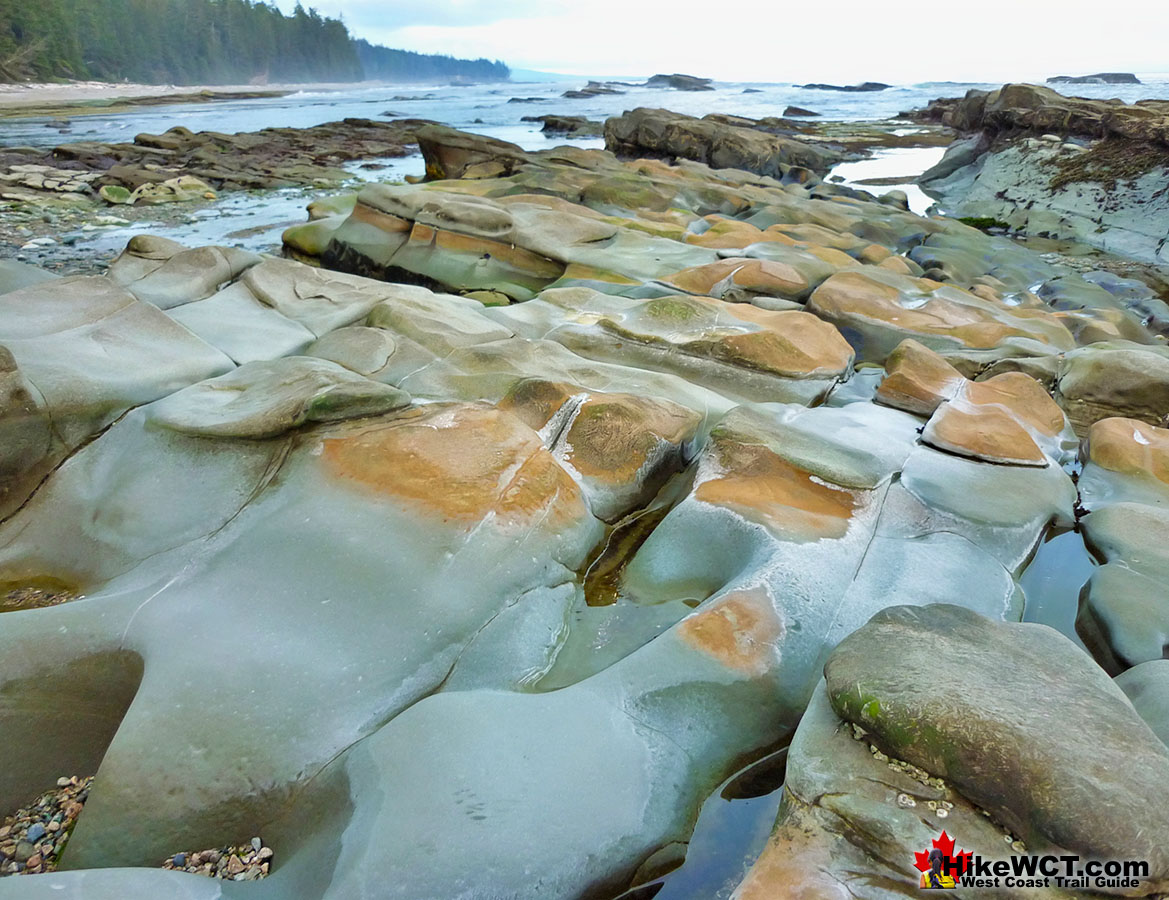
(255, 220)
(486, 110)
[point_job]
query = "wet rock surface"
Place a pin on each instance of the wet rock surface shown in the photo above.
(1059, 167)
(1124, 618)
(273, 157)
(522, 507)
(942, 693)
(661, 133)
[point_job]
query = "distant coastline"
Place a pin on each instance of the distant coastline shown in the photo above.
(83, 97)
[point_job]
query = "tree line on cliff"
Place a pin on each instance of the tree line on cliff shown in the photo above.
(203, 42)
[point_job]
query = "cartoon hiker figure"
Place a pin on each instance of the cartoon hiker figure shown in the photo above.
(935, 877)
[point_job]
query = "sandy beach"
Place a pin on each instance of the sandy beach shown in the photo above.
(33, 99)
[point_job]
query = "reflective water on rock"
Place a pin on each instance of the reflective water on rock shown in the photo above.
(731, 831)
(894, 162)
(1052, 582)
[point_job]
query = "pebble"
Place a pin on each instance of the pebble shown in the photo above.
(247, 862)
(905, 801)
(31, 839)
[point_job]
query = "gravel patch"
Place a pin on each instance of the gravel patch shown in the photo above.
(32, 838)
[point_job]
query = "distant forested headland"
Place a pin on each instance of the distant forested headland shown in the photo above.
(203, 42)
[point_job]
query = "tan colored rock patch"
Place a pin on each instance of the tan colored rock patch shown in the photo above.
(382, 221)
(517, 257)
(742, 631)
(1023, 396)
(1130, 447)
(829, 255)
(989, 433)
(999, 420)
(534, 401)
(917, 379)
(756, 275)
(794, 343)
(796, 864)
(851, 295)
(459, 462)
(821, 236)
(613, 435)
(730, 233)
(764, 488)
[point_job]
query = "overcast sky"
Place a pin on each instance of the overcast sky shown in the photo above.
(770, 40)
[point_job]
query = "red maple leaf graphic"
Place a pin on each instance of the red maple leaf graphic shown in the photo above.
(945, 843)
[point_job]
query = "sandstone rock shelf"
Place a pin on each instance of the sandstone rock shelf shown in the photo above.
(1059, 167)
(475, 578)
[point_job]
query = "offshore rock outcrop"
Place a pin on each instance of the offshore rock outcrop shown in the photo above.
(1098, 78)
(669, 135)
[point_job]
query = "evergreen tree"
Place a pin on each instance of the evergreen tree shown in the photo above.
(203, 41)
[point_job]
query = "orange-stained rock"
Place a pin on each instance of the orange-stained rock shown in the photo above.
(762, 487)
(725, 233)
(556, 204)
(793, 343)
(1023, 396)
(924, 307)
(742, 630)
(824, 237)
(757, 275)
(614, 436)
(988, 433)
(581, 272)
(458, 462)
(997, 420)
(383, 221)
(874, 254)
(610, 437)
(1130, 447)
(454, 242)
(829, 255)
(917, 379)
(896, 264)
(796, 864)
(535, 401)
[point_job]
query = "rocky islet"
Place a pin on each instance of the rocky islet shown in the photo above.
(353, 500)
